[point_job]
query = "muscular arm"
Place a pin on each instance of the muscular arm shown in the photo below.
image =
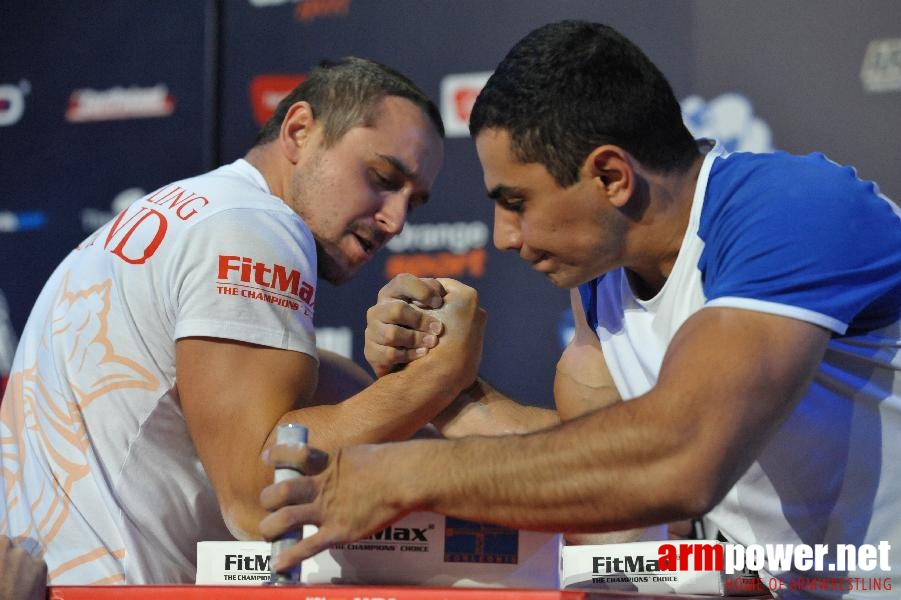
(583, 384)
(397, 332)
(728, 380)
(401, 328)
(483, 410)
(234, 394)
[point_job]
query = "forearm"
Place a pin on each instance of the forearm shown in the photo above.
(569, 478)
(392, 408)
(728, 381)
(482, 410)
(652, 533)
(670, 454)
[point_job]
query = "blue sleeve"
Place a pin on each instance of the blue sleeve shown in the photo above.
(801, 233)
(588, 294)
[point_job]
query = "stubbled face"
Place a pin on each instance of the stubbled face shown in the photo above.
(571, 234)
(355, 195)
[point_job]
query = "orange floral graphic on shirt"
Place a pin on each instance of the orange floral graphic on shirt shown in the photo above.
(50, 411)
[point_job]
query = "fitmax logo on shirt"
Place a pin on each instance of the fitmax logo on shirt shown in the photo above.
(243, 276)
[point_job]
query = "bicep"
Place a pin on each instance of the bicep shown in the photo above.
(232, 394)
(729, 378)
(582, 382)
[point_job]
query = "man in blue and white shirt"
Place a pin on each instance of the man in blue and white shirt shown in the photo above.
(737, 349)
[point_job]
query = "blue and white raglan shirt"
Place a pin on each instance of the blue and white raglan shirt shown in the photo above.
(803, 238)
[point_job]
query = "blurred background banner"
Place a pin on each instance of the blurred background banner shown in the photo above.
(102, 102)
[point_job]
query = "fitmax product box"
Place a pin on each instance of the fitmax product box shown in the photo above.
(420, 549)
(635, 567)
(233, 563)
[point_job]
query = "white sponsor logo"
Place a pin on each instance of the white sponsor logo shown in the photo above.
(730, 119)
(120, 103)
(12, 102)
(881, 69)
(7, 338)
(456, 237)
(339, 340)
(458, 94)
(21, 221)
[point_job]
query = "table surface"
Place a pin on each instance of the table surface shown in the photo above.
(197, 592)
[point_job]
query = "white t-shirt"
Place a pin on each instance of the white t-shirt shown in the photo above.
(99, 470)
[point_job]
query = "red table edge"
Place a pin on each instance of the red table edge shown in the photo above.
(336, 592)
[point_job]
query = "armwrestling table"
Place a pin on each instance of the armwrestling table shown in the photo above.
(302, 592)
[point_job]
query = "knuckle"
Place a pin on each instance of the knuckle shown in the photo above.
(394, 310)
(402, 310)
(371, 337)
(394, 337)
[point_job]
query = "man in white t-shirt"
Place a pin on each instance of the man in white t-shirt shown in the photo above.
(166, 348)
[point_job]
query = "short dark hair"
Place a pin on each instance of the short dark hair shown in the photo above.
(569, 87)
(344, 94)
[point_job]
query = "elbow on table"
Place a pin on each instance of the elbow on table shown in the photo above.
(696, 487)
(242, 523)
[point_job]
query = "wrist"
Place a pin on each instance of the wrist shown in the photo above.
(406, 494)
(442, 379)
(467, 414)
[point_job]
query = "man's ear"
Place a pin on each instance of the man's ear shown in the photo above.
(297, 128)
(612, 167)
